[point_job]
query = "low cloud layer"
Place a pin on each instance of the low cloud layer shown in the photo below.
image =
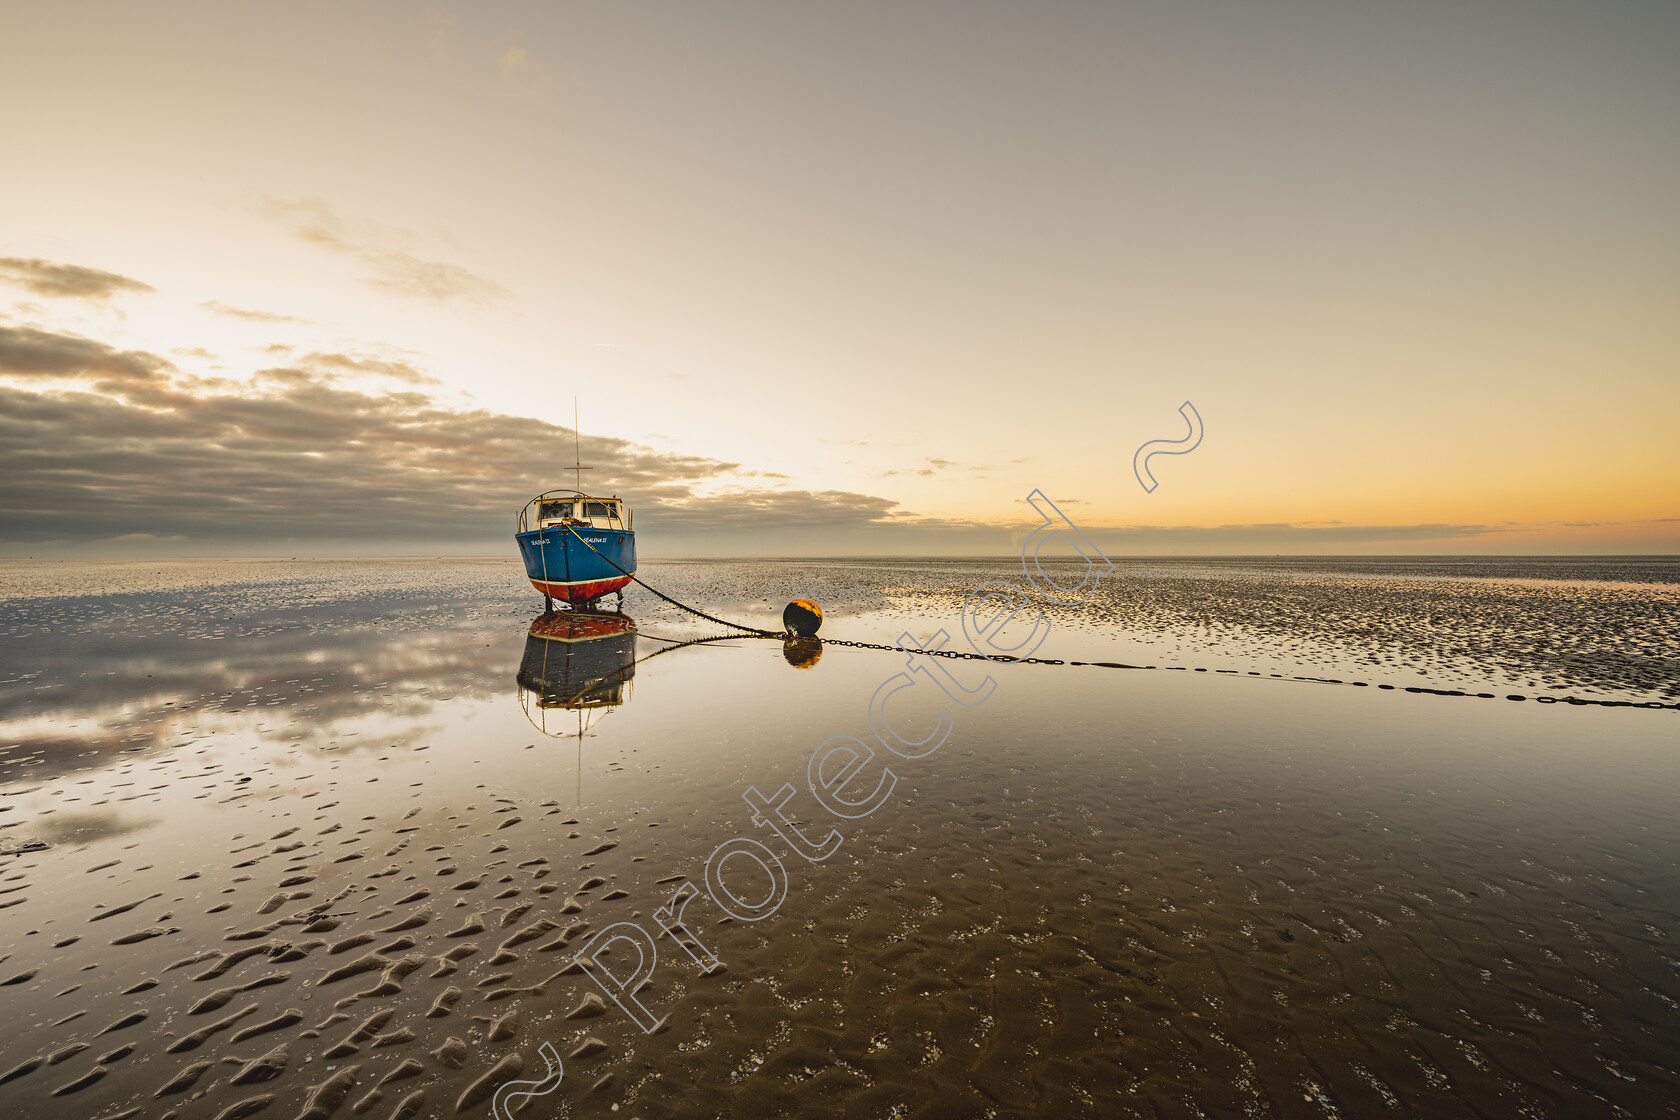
(29, 353)
(66, 280)
(393, 368)
(301, 452)
(1279, 537)
(122, 452)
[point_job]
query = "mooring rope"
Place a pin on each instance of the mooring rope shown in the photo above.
(667, 598)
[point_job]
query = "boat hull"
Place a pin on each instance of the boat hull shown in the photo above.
(560, 564)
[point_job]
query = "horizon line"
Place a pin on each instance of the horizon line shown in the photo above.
(899, 556)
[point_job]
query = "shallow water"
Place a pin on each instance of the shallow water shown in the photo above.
(1109, 893)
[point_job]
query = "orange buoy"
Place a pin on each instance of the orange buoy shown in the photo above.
(802, 617)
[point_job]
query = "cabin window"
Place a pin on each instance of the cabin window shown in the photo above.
(598, 509)
(549, 510)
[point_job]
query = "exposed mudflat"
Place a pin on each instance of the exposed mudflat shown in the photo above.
(290, 839)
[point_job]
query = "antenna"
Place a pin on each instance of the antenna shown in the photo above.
(577, 448)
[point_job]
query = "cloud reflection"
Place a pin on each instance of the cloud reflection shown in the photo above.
(144, 673)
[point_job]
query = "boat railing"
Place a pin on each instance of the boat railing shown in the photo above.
(613, 520)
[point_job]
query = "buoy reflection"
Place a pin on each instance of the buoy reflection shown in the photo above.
(802, 653)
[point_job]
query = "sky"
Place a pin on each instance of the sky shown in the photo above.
(317, 279)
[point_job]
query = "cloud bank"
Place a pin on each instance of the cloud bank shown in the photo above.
(29, 353)
(133, 448)
(66, 280)
(121, 452)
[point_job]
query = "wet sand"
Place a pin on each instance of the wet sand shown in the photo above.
(290, 847)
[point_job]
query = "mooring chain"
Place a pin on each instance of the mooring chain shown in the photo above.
(948, 653)
(964, 655)
(1578, 701)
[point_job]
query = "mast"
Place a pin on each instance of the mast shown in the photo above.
(577, 448)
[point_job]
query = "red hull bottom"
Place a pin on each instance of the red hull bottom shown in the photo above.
(581, 592)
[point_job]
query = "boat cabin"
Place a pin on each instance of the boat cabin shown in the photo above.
(572, 508)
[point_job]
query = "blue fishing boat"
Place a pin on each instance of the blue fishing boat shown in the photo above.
(577, 547)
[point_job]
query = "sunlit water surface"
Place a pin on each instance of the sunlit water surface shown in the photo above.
(293, 839)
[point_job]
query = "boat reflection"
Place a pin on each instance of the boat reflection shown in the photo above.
(576, 661)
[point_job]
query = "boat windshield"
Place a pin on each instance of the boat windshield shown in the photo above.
(577, 510)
